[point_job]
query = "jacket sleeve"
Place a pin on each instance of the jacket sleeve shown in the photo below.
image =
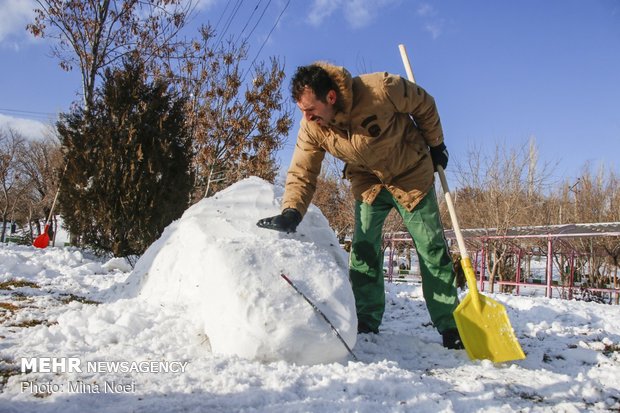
(407, 97)
(303, 172)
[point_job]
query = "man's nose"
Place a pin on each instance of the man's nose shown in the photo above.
(308, 115)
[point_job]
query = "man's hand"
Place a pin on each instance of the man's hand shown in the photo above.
(439, 155)
(286, 222)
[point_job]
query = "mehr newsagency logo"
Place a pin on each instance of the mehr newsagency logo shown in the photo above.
(74, 365)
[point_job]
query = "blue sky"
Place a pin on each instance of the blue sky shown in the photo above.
(501, 71)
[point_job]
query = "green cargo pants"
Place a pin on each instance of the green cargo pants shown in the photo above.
(366, 259)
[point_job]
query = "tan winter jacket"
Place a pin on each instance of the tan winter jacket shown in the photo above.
(375, 136)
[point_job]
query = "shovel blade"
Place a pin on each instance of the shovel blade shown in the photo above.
(486, 331)
(43, 240)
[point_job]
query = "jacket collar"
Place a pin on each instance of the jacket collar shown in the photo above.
(343, 80)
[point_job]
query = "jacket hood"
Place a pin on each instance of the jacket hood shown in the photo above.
(343, 80)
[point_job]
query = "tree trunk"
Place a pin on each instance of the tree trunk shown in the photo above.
(4, 217)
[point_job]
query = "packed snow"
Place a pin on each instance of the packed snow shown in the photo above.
(227, 271)
(145, 340)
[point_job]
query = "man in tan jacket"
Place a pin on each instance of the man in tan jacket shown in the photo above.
(388, 132)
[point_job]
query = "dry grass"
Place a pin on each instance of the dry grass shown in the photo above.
(11, 284)
(7, 369)
(67, 298)
(32, 323)
(9, 307)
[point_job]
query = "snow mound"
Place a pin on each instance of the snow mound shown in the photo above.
(226, 271)
(118, 263)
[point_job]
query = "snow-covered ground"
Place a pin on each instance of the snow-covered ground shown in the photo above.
(138, 355)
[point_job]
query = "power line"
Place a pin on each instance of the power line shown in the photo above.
(267, 38)
(258, 21)
(45, 115)
(234, 12)
(248, 21)
(221, 15)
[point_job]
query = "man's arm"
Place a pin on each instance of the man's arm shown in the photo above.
(410, 98)
(300, 184)
(303, 172)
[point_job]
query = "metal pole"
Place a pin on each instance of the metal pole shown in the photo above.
(571, 282)
(549, 266)
(391, 261)
(483, 269)
(520, 253)
(616, 283)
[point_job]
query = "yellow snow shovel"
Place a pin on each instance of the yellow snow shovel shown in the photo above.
(483, 323)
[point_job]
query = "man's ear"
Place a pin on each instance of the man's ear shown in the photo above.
(331, 97)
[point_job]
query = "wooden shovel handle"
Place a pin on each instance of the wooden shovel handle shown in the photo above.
(49, 217)
(468, 269)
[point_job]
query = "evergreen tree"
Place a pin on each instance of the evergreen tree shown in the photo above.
(128, 157)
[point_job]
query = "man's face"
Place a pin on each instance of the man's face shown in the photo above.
(316, 111)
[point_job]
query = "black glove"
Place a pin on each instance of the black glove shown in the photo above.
(439, 155)
(286, 222)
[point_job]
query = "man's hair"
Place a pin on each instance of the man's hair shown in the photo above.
(313, 77)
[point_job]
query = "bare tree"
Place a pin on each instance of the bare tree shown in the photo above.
(11, 186)
(94, 34)
(500, 190)
(237, 126)
(594, 198)
(40, 163)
